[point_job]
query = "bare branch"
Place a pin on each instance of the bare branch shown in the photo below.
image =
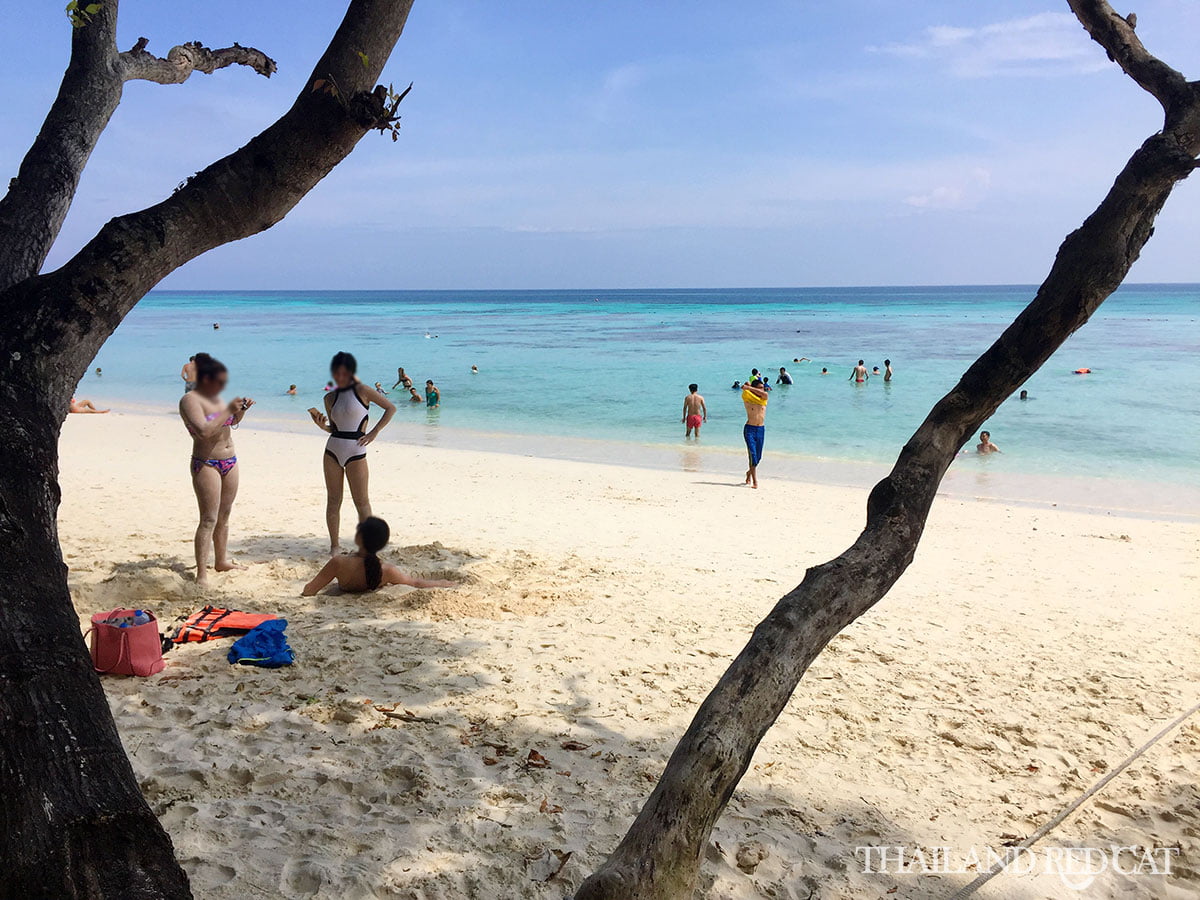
(1116, 35)
(139, 64)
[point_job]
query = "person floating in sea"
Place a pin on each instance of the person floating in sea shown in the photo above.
(736, 386)
(474, 370)
(800, 359)
(1024, 395)
(875, 371)
(188, 374)
(345, 460)
(754, 398)
(859, 375)
(402, 379)
(98, 372)
(328, 386)
(216, 326)
(985, 443)
(84, 406)
(291, 391)
(364, 571)
(414, 397)
(379, 387)
(214, 466)
(887, 370)
(784, 376)
(695, 413)
(433, 397)
(824, 371)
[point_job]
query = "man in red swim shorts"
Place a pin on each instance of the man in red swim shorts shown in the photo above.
(695, 413)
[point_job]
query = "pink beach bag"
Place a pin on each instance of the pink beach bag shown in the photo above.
(132, 650)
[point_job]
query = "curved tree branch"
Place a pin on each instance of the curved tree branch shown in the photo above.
(36, 205)
(139, 64)
(1116, 35)
(659, 857)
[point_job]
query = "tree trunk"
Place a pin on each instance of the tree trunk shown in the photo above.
(659, 857)
(73, 822)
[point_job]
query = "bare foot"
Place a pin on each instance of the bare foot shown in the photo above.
(335, 550)
(747, 476)
(227, 566)
(202, 580)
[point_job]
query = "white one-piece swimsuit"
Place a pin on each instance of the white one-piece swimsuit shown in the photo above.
(348, 419)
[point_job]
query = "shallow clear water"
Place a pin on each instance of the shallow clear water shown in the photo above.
(614, 366)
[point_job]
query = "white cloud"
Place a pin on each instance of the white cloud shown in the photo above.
(1043, 44)
(962, 192)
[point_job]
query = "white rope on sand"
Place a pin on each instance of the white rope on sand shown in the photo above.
(1014, 852)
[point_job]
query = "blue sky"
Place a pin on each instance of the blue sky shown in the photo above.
(635, 144)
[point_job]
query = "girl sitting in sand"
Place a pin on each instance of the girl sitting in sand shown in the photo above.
(364, 570)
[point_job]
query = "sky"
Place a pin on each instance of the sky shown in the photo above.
(646, 144)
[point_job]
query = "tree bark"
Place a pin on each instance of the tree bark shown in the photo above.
(659, 857)
(73, 823)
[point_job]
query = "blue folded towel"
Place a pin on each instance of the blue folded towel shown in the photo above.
(264, 646)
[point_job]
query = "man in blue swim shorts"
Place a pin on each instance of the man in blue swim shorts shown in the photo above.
(754, 398)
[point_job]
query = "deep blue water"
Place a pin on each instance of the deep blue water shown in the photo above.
(614, 365)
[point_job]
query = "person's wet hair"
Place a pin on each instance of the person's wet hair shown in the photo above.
(887, 362)
(757, 382)
(344, 360)
(208, 368)
(984, 435)
(375, 534)
(693, 388)
(860, 362)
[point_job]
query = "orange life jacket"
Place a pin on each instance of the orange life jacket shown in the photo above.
(213, 622)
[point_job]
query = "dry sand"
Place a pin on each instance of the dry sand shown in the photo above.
(1023, 654)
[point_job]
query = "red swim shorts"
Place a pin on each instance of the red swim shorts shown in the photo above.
(694, 421)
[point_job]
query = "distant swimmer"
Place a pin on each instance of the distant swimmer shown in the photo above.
(84, 406)
(784, 376)
(824, 371)
(736, 386)
(98, 372)
(291, 391)
(188, 374)
(474, 370)
(433, 397)
(859, 375)
(1082, 372)
(754, 398)
(875, 371)
(800, 359)
(414, 397)
(1024, 395)
(329, 386)
(887, 370)
(379, 387)
(695, 413)
(216, 326)
(985, 443)
(402, 379)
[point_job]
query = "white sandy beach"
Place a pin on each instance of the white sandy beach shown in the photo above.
(1024, 653)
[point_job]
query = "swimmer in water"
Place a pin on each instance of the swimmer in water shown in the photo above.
(784, 376)
(695, 413)
(1024, 395)
(414, 397)
(291, 391)
(824, 371)
(474, 370)
(985, 443)
(859, 375)
(379, 387)
(887, 370)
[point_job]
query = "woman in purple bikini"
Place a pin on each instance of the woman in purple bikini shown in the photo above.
(210, 422)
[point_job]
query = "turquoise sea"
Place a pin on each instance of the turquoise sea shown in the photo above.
(601, 375)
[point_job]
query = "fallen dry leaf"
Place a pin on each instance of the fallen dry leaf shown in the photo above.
(536, 760)
(574, 745)
(548, 809)
(490, 760)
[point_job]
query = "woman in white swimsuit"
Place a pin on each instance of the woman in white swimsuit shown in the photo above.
(345, 418)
